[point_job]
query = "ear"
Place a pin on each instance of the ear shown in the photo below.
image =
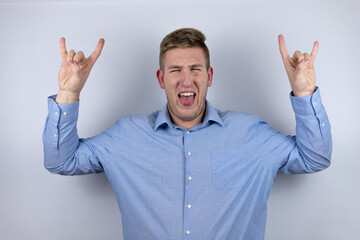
(210, 76)
(160, 77)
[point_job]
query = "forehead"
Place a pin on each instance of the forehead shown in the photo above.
(184, 56)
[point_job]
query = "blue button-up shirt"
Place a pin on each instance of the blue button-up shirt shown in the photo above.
(210, 182)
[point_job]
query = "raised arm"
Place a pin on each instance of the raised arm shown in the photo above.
(310, 150)
(64, 152)
(300, 69)
(74, 71)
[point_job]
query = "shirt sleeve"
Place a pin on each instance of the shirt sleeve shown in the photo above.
(64, 152)
(307, 152)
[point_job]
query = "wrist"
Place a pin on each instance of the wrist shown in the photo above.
(66, 97)
(302, 93)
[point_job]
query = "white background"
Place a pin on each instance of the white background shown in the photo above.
(249, 77)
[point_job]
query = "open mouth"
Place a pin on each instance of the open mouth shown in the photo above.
(187, 98)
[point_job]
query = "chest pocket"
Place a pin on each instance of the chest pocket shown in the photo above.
(229, 168)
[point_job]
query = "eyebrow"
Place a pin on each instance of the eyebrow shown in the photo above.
(196, 65)
(191, 66)
(174, 66)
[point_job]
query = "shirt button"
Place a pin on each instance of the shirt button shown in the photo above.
(189, 206)
(314, 103)
(188, 132)
(55, 135)
(187, 232)
(56, 113)
(189, 178)
(189, 153)
(65, 113)
(323, 124)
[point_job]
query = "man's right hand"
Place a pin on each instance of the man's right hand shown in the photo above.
(74, 71)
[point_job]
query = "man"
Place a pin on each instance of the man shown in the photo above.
(189, 171)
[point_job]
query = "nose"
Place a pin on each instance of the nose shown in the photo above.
(186, 79)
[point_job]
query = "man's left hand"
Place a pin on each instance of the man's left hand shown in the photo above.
(300, 69)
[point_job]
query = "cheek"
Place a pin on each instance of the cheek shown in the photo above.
(170, 90)
(202, 86)
(172, 85)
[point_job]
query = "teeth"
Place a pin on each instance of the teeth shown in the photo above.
(187, 94)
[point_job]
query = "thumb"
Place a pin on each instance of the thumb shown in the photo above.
(303, 64)
(74, 67)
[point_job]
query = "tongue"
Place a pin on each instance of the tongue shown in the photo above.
(187, 101)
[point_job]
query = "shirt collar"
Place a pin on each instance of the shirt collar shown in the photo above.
(211, 115)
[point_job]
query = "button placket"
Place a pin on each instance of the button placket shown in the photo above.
(53, 130)
(55, 134)
(317, 106)
(188, 212)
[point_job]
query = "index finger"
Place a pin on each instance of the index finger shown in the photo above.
(314, 51)
(94, 56)
(63, 51)
(283, 51)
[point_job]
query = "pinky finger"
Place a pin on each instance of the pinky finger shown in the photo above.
(314, 51)
(306, 58)
(94, 56)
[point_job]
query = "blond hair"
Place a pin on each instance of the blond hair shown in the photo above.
(184, 38)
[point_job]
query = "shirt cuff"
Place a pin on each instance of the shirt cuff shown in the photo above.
(309, 105)
(62, 113)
